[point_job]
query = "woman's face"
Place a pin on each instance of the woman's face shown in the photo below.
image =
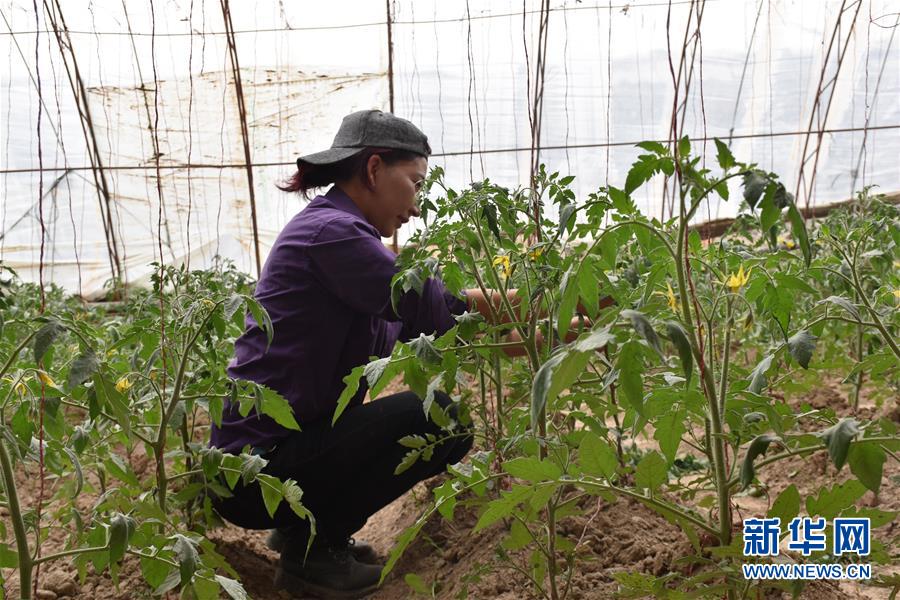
(394, 189)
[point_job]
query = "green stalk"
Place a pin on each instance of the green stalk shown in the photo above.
(726, 356)
(716, 441)
(15, 514)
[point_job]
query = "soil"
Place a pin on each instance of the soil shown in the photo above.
(623, 536)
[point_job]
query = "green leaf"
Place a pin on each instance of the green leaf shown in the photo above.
(154, 570)
(678, 337)
(651, 472)
(273, 404)
(251, 465)
(82, 369)
(723, 155)
(423, 347)
(786, 505)
(630, 364)
(231, 306)
(758, 446)
(351, 385)
(758, 381)
(555, 375)
(641, 171)
(568, 299)
(837, 439)
(120, 528)
(798, 229)
(233, 588)
(262, 318)
(642, 325)
(684, 147)
(187, 556)
(565, 215)
(801, 346)
(502, 507)
(867, 463)
(596, 457)
(668, 431)
(9, 558)
(595, 340)
(45, 337)
(754, 184)
(532, 469)
(417, 584)
(831, 502)
(769, 211)
(843, 303)
(655, 147)
(271, 492)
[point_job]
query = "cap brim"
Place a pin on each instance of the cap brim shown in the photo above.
(330, 156)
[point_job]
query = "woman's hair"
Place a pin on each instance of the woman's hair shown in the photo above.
(310, 176)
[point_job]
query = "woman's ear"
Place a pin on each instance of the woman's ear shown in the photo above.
(373, 169)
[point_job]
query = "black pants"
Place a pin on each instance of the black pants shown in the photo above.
(346, 472)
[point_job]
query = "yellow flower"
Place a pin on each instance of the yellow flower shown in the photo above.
(897, 294)
(503, 261)
(208, 303)
(738, 280)
(786, 242)
(45, 379)
(123, 384)
(535, 254)
(670, 297)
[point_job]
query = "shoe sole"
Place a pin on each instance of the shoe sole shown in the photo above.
(294, 585)
(368, 558)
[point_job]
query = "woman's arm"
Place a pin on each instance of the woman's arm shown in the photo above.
(477, 301)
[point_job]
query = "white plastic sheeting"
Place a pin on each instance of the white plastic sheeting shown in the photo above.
(460, 71)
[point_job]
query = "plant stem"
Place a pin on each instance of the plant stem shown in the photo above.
(726, 355)
(15, 513)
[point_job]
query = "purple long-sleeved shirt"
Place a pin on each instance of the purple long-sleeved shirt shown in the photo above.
(326, 287)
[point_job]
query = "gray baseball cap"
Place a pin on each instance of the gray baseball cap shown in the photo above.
(370, 129)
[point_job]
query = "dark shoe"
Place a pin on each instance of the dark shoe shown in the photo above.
(327, 573)
(359, 549)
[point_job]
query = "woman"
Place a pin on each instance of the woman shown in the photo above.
(326, 287)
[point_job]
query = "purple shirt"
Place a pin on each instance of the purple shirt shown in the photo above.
(326, 286)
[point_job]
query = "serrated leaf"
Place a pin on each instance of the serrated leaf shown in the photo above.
(641, 171)
(830, 502)
(758, 446)
(274, 405)
(630, 364)
(669, 428)
(351, 385)
(9, 557)
(271, 492)
(45, 337)
(801, 346)
(867, 463)
(596, 457)
(502, 507)
(678, 337)
(187, 557)
(786, 505)
(154, 570)
(655, 147)
(532, 469)
(723, 155)
(643, 326)
(769, 210)
(798, 229)
(82, 369)
(843, 303)
(837, 439)
(555, 375)
(251, 465)
(651, 472)
(424, 349)
(758, 381)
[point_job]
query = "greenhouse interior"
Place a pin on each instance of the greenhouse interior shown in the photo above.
(611, 288)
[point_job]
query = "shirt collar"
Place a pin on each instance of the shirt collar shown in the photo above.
(341, 201)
